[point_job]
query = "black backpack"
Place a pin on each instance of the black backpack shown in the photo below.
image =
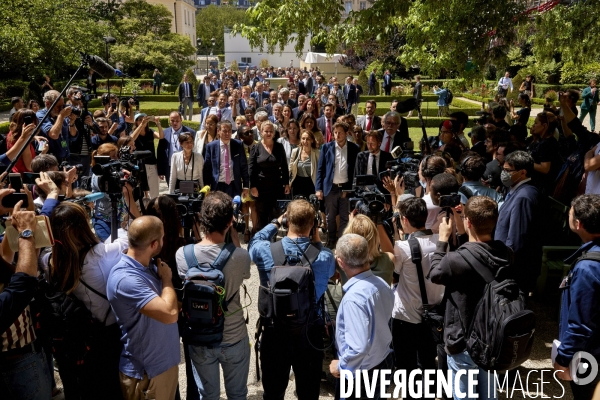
(449, 96)
(500, 337)
(290, 299)
(202, 318)
(67, 322)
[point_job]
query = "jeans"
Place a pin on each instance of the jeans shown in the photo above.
(463, 361)
(414, 347)
(152, 177)
(235, 361)
(592, 112)
(26, 377)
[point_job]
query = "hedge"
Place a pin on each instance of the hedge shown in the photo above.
(427, 111)
(4, 127)
(426, 98)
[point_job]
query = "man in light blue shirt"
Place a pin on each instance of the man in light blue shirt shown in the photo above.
(363, 335)
(143, 299)
(441, 103)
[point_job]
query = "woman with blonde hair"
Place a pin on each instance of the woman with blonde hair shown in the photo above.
(382, 264)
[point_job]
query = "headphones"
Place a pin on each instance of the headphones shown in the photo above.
(463, 163)
(105, 99)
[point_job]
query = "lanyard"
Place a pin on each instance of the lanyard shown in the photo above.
(186, 167)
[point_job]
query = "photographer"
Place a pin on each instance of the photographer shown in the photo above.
(233, 353)
(23, 365)
(429, 168)
(103, 208)
(414, 344)
(279, 347)
(144, 140)
(105, 135)
(472, 168)
(60, 127)
(81, 148)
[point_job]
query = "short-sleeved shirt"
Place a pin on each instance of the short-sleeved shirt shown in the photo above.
(523, 114)
(235, 271)
(57, 147)
(546, 150)
(148, 345)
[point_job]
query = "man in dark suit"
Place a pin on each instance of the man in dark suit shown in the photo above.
(335, 173)
(273, 99)
(370, 121)
(204, 91)
(325, 123)
(225, 165)
(359, 92)
(285, 98)
(394, 131)
(296, 110)
(350, 94)
(372, 161)
(309, 84)
(186, 100)
(519, 218)
(371, 82)
(387, 83)
(259, 94)
(170, 144)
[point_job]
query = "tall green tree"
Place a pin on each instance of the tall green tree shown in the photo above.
(210, 22)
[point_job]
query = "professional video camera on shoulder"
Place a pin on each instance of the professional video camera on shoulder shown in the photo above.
(367, 200)
(189, 200)
(407, 167)
(312, 199)
(114, 174)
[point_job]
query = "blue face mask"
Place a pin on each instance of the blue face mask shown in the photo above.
(423, 184)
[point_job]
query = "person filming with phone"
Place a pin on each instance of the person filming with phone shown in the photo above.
(23, 124)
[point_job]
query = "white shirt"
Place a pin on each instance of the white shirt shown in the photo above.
(386, 137)
(432, 214)
(206, 91)
(178, 170)
(340, 170)
(593, 178)
(175, 146)
(222, 162)
(505, 83)
(408, 305)
(370, 162)
(97, 265)
(226, 115)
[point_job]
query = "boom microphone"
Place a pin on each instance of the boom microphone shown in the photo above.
(121, 74)
(100, 66)
(407, 105)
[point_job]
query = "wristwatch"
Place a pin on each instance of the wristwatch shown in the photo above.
(276, 222)
(26, 234)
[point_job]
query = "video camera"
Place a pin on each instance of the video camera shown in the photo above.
(65, 165)
(407, 167)
(312, 199)
(189, 203)
(367, 200)
(111, 177)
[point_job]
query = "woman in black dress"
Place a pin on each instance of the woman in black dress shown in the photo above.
(269, 176)
(545, 152)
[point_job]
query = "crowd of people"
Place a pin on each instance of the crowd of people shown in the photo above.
(293, 156)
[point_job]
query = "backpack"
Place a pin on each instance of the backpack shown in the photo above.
(290, 299)
(500, 337)
(449, 96)
(67, 322)
(202, 318)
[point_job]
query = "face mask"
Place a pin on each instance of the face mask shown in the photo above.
(423, 184)
(506, 179)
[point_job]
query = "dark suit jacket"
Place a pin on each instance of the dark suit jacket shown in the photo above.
(375, 125)
(322, 125)
(182, 91)
(309, 86)
(387, 80)
(518, 228)
(201, 94)
(254, 95)
(401, 135)
(327, 166)
(212, 161)
(362, 161)
(163, 151)
(372, 79)
(349, 93)
(301, 87)
(290, 103)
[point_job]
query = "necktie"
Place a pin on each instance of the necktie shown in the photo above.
(373, 164)
(387, 144)
(187, 90)
(219, 114)
(369, 124)
(227, 172)
(328, 131)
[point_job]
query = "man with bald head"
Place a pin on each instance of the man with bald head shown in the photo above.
(141, 294)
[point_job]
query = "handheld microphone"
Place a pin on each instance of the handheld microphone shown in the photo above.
(204, 191)
(237, 203)
(100, 66)
(93, 197)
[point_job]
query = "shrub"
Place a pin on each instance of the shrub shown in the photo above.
(551, 94)
(234, 66)
(264, 63)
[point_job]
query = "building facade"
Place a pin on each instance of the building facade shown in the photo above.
(184, 17)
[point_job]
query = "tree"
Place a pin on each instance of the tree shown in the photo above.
(437, 34)
(220, 17)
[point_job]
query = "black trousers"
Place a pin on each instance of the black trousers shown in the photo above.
(279, 351)
(414, 347)
(387, 363)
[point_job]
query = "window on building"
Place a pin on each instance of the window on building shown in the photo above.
(247, 60)
(348, 7)
(363, 5)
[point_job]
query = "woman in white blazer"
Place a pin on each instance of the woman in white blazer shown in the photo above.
(186, 165)
(303, 165)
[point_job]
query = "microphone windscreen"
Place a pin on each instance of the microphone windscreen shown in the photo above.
(205, 190)
(237, 200)
(94, 196)
(406, 105)
(101, 67)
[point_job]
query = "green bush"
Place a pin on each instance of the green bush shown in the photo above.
(426, 98)
(4, 127)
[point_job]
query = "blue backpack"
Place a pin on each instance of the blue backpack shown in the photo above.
(202, 318)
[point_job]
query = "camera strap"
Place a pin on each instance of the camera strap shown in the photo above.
(416, 257)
